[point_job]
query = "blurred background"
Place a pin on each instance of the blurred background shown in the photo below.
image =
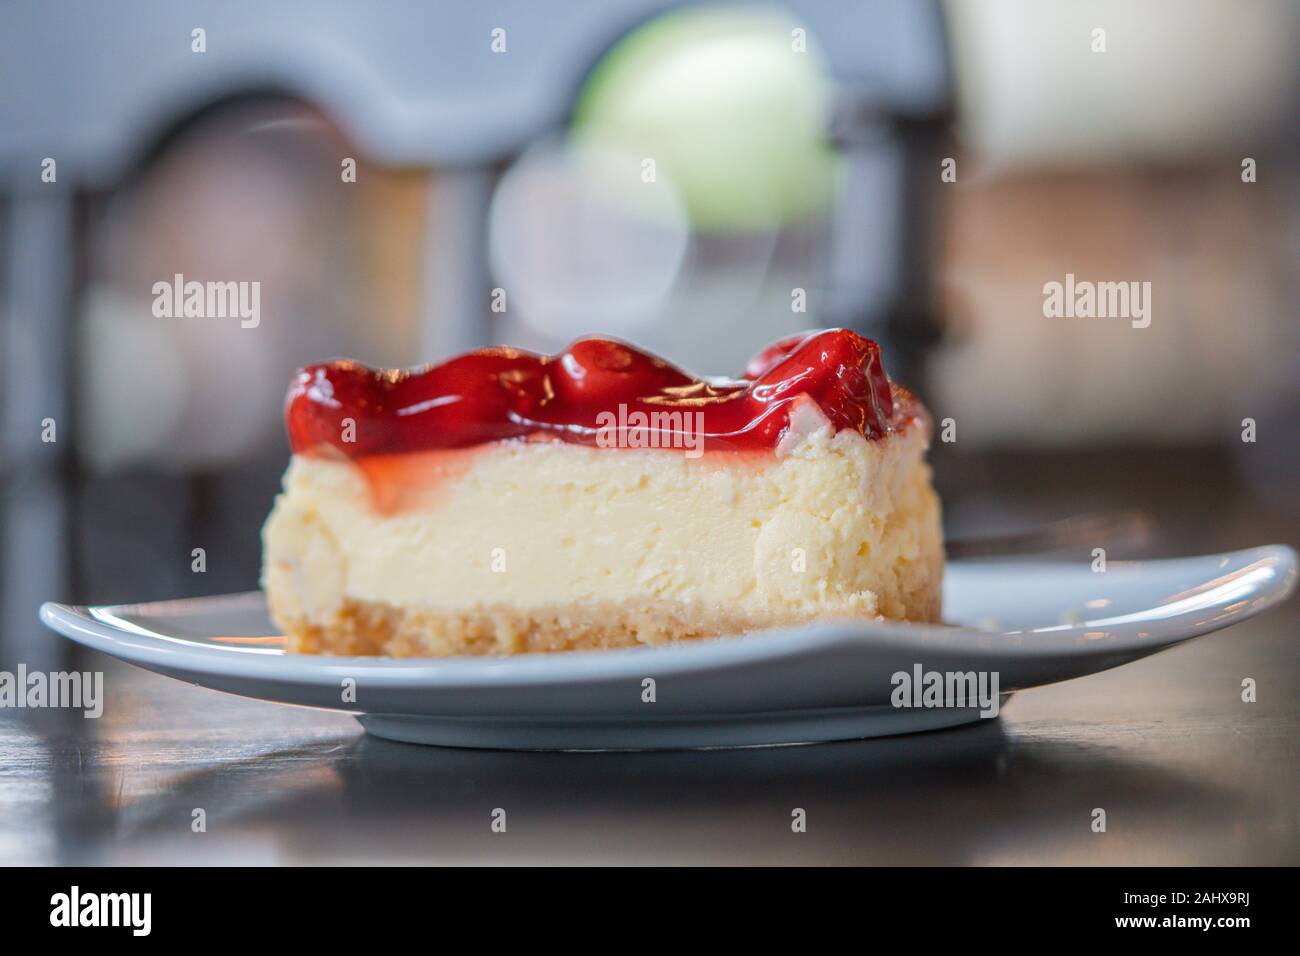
(409, 180)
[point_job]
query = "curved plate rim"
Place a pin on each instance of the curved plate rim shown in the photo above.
(1261, 578)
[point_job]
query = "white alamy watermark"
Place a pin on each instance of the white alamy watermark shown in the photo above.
(922, 688)
(638, 429)
(76, 908)
(179, 299)
(1083, 299)
(76, 690)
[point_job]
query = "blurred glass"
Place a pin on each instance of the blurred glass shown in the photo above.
(579, 242)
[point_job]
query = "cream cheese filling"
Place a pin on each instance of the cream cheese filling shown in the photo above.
(831, 523)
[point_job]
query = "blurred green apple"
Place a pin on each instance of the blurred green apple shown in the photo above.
(731, 106)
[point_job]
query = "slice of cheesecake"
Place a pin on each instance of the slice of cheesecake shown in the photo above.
(505, 502)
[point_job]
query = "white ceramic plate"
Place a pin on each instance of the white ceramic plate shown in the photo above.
(1029, 622)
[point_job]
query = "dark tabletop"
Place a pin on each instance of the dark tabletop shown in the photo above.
(1185, 770)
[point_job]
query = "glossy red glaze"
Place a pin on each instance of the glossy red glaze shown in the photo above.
(589, 393)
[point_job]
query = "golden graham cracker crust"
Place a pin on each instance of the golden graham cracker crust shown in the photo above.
(365, 628)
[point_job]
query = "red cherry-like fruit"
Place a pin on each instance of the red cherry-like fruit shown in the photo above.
(499, 393)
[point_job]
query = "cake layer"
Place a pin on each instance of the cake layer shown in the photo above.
(548, 545)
